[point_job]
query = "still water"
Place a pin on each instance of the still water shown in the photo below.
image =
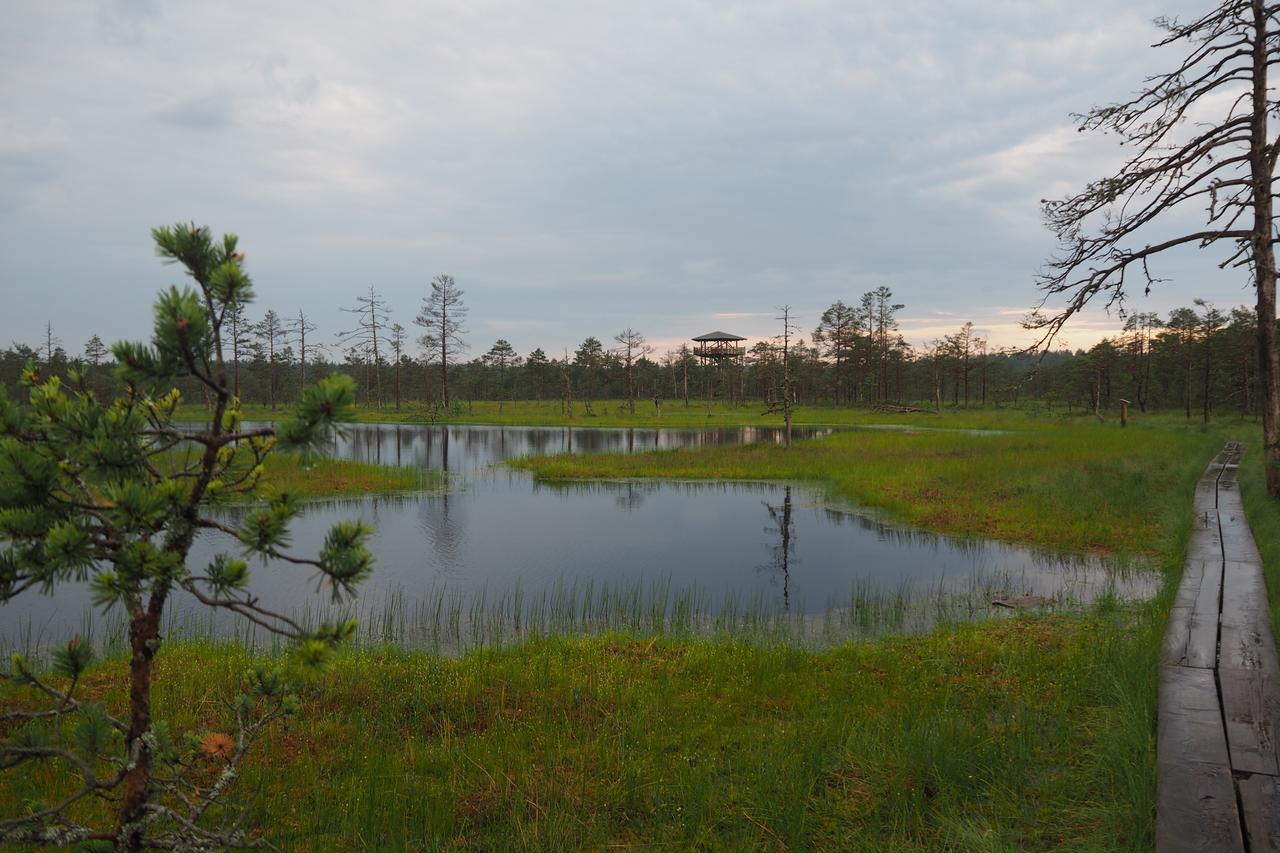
(494, 530)
(463, 449)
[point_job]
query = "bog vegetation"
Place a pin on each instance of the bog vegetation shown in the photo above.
(1199, 359)
(106, 490)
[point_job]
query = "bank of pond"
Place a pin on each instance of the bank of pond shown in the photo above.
(487, 554)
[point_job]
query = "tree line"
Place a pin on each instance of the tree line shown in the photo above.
(1198, 359)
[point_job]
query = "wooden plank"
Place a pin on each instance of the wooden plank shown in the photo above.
(1202, 622)
(1219, 656)
(1251, 709)
(1189, 585)
(1177, 633)
(1240, 547)
(1190, 719)
(1246, 641)
(1206, 499)
(1191, 635)
(1196, 809)
(1243, 647)
(1260, 803)
(1206, 537)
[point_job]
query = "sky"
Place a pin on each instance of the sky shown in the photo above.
(578, 168)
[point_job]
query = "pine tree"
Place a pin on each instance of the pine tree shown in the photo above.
(114, 493)
(500, 357)
(270, 332)
(397, 350)
(442, 315)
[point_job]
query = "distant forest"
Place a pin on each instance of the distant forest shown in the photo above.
(1198, 360)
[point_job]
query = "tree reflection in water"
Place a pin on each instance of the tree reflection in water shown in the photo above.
(475, 448)
(783, 552)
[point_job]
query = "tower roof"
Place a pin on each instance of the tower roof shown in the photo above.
(718, 336)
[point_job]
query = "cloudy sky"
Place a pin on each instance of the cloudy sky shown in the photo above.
(578, 167)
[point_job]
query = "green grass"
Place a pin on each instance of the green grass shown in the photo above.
(1022, 734)
(320, 477)
(613, 413)
(1036, 732)
(1077, 487)
(1263, 514)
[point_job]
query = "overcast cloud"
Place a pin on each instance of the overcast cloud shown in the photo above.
(675, 167)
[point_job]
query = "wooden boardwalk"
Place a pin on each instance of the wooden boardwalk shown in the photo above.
(1219, 717)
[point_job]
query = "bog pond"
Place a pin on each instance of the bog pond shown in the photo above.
(496, 554)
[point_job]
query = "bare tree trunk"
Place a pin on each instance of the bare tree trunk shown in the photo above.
(1208, 362)
(1262, 163)
(1186, 383)
(631, 387)
(1269, 371)
(444, 371)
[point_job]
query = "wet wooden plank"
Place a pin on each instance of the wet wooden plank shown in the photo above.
(1246, 641)
(1206, 499)
(1202, 621)
(1196, 809)
(1260, 803)
(1251, 709)
(1191, 635)
(1239, 546)
(1190, 719)
(1206, 538)
(1219, 685)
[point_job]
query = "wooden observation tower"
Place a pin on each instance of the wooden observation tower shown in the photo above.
(715, 347)
(719, 350)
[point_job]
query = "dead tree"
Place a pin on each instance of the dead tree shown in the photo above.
(781, 554)
(296, 330)
(1223, 163)
(52, 343)
(369, 334)
(784, 400)
(631, 348)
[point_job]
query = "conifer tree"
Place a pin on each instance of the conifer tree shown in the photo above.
(114, 493)
(443, 315)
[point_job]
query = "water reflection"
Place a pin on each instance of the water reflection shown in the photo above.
(473, 448)
(780, 564)
(503, 532)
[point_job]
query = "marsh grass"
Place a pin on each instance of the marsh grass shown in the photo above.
(661, 728)
(1003, 735)
(613, 413)
(322, 477)
(1080, 487)
(453, 622)
(1263, 514)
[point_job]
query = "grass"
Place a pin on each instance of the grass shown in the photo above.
(1035, 732)
(1077, 487)
(1263, 514)
(451, 622)
(613, 413)
(1016, 735)
(318, 476)
(324, 477)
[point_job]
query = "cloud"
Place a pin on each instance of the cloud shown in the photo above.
(578, 168)
(215, 111)
(126, 22)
